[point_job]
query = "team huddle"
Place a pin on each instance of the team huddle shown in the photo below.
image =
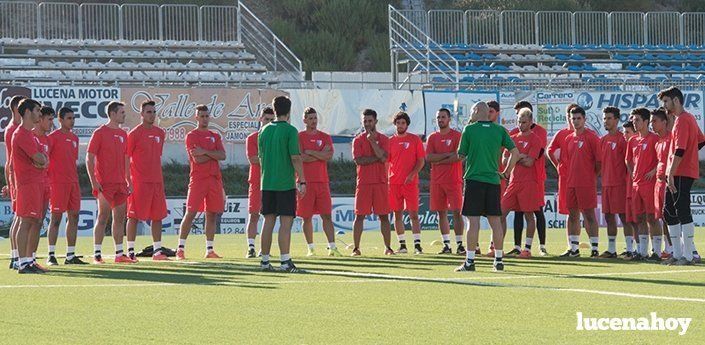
(485, 171)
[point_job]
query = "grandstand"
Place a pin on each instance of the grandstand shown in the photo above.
(110, 44)
(527, 50)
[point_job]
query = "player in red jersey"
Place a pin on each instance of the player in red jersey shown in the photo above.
(29, 160)
(65, 193)
(40, 130)
(556, 150)
(659, 123)
(523, 190)
(370, 152)
(406, 159)
(106, 163)
(446, 180)
(316, 150)
(629, 237)
(614, 185)
(641, 163)
(147, 202)
(9, 189)
(254, 192)
(584, 164)
(205, 188)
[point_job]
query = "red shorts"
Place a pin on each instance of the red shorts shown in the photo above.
(31, 201)
(446, 197)
(582, 198)
(371, 198)
(254, 198)
(115, 193)
(404, 197)
(659, 198)
(542, 192)
(147, 201)
(13, 197)
(317, 200)
(562, 195)
(522, 197)
(614, 199)
(643, 199)
(502, 185)
(206, 195)
(65, 197)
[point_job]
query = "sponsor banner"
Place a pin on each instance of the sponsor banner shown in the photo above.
(6, 94)
(507, 114)
(458, 102)
(234, 113)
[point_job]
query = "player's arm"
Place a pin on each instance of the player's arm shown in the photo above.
(380, 153)
(40, 160)
(128, 176)
(526, 161)
(324, 155)
(366, 160)
(307, 158)
(254, 160)
(90, 168)
(199, 155)
(216, 155)
(513, 159)
(553, 152)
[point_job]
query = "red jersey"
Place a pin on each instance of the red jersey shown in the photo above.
(614, 149)
(375, 172)
(9, 131)
(582, 154)
(445, 143)
(404, 152)
(542, 135)
(251, 150)
(110, 148)
(25, 145)
(530, 145)
(316, 171)
(642, 152)
(662, 147)
(44, 141)
(145, 147)
(686, 136)
(207, 140)
(63, 154)
(559, 143)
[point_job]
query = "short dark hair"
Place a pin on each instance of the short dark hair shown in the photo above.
(15, 101)
(642, 112)
(628, 124)
(612, 110)
(201, 107)
(577, 110)
(63, 111)
(281, 105)
(672, 92)
(267, 110)
(402, 116)
(27, 104)
(147, 103)
(309, 110)
(46, 111)
(444, 110)
(369, 112)
(660, 113)
(114, 106)
(493, 104)
(570, 107)
(523, 104)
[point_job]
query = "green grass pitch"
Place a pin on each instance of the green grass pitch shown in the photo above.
(368, 300)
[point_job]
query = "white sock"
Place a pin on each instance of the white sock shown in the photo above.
(674, 232)
(182, 243)
(656, 244)
(644, 245)
(446, 238)
(594, 242)
(529, 242)
(15, 253)
(469, 256)
(574, 242)
(688, 244)
(331, 245)
(34, 256)
(517, 248)
(459, 238)
(70, 252)
(251, 242)
(630, 243)
(612, 244)
(285, 257)
(311, 246)
(265, 257)
(52, 249)
(401, 237)
(131, 246)
(118, 250)
(97, 248)
(209, 246)
(417, 237)
(156, 246)
(498, 255)
(669, 248)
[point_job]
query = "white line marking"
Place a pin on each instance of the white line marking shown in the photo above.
(624, 294)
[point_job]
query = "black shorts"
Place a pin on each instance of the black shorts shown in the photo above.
(280, 203)
(676, 206)
(481, 199)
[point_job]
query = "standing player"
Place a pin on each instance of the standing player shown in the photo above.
(583, 157)
(446, 180)
(278, 145)
(406, 159)
(370, 151)
(482, 143)
(316, 151)
(147, 202)
(659, 123)
(254, 193)
(614, 185)
(681, 172)
(556, 154)
(641, 163)
(494, 111)
(205, 187)
(9, 190)
(106, 163)
(40, 130)
(65, 194)
(28, 162)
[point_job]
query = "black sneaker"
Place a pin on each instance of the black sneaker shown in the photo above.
(29, 269)
(478, 252)
(12, 264)
(132, 256)
(594, 254)
(608, 255)
(513, 252)
(417, 249)
(570, 254)
(266, 266)
(654, 258)
(466, 267)
(624, 254)
(498, 266)
(288, 266)
(628, 256)
(402, 249)
(461, 250)
(446, 250)
(251, 253)
(75, 261)
(51, 261)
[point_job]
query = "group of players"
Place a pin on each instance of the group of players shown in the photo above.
(646, 179)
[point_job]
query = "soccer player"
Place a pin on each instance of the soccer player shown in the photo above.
(254, 193)
(556, 151)
(316, 150)
(205, 187)
(106, 162)
(65, 194)
(641, 163)
(583, 156)
(523, 190)
(280, 157)
(630, 228)
(659, 123)
(682, 170)
(28, 162)
(370, 151)
(9, 190)
(482, 143)
(147, 202)
(540, 166)
(494, 111)
(614, 185)
(406, 159)
(40, 130)
(446, 180)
